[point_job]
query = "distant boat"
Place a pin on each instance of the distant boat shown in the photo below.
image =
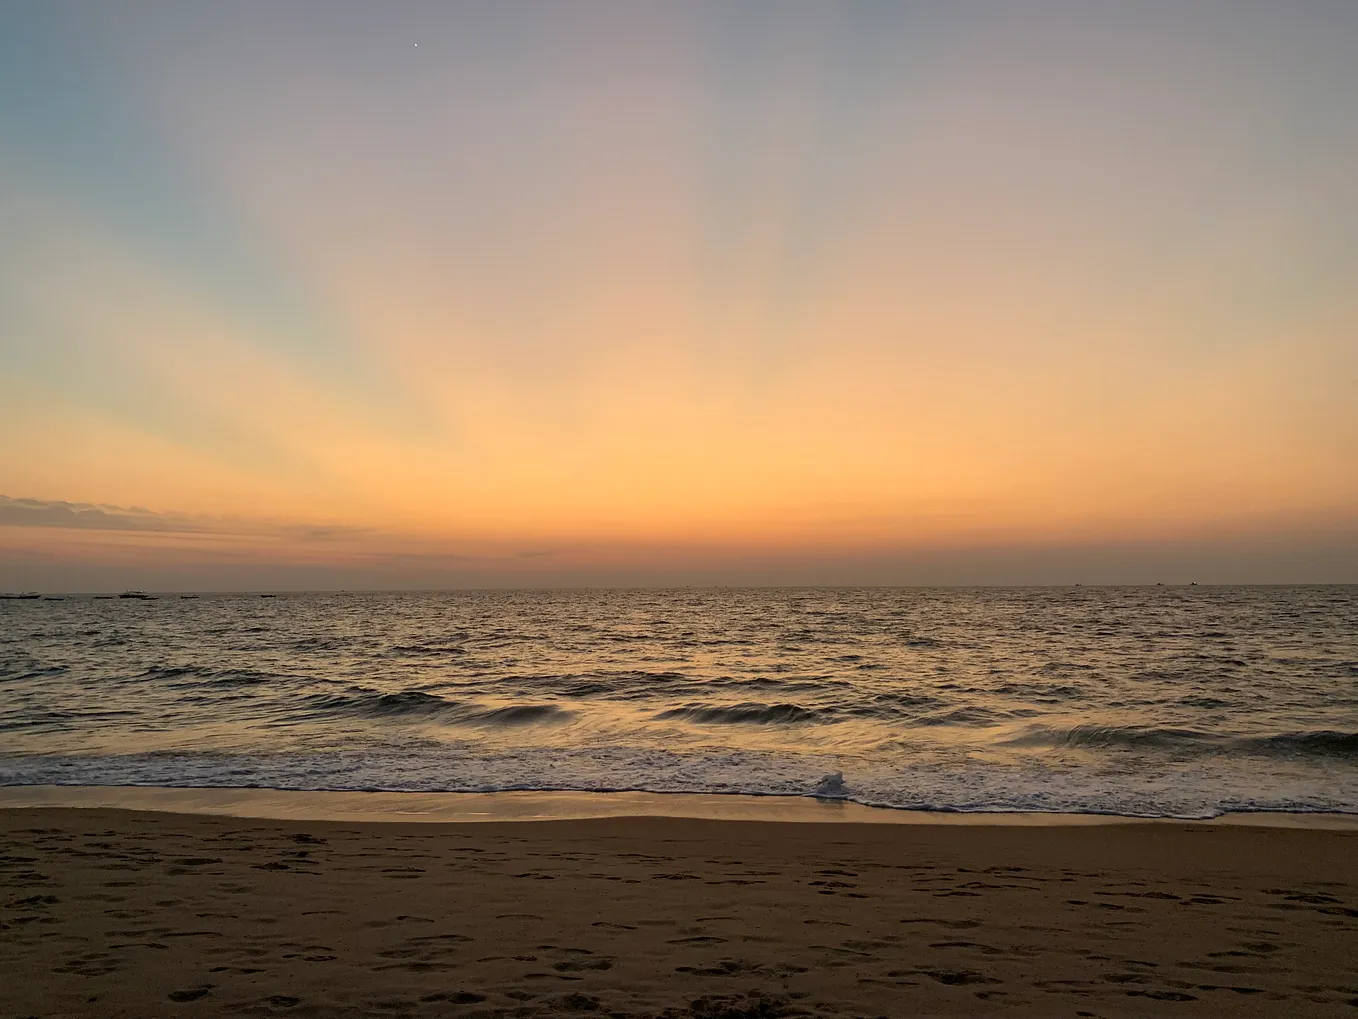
(53, 597)
(138, 595)
(187, 597)
(103, 597)
(268, 596)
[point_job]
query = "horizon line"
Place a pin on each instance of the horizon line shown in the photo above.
(16, 595)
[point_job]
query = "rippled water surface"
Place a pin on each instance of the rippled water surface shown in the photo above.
(1157, 701)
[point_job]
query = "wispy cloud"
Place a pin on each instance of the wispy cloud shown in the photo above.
(84, 516)
(89, 516)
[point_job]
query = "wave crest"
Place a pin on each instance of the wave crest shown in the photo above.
(747, 713)
(1318, 743)
(421, 704)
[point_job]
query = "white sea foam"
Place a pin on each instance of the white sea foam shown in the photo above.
(1176, 791)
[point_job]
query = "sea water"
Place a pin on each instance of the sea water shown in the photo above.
(1160, 701)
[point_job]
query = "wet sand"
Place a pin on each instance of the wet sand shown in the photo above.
(121, 913)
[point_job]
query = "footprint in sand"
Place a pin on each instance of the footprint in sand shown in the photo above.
(191, 994)
(455, 997)
(580, 966)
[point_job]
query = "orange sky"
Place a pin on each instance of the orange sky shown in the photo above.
(637, 288)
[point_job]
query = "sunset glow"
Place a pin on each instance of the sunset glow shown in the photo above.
(303, 294)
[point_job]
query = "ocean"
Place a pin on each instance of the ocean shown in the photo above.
(1158, 702)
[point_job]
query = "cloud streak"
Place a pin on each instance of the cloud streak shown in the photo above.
(83, 516)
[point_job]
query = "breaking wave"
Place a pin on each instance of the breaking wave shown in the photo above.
(431, 706)
(748, 713)
(1319, 743)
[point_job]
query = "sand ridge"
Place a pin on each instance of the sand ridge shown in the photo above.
(118, 913)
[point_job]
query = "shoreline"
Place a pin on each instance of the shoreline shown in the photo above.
(530, 806)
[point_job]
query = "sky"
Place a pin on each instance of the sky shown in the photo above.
(433, 294)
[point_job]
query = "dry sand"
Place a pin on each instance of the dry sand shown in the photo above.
(119, 913)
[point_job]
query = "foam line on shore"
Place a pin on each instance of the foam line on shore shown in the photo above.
(404, 807)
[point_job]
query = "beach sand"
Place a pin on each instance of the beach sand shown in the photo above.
(123, 913)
